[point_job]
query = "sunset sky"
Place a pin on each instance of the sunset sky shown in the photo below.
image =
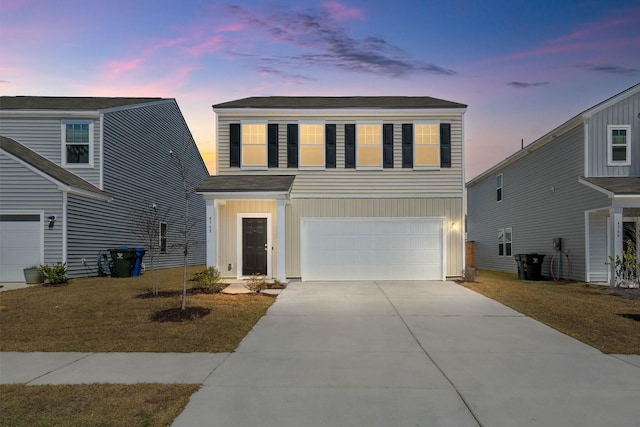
(523, 67)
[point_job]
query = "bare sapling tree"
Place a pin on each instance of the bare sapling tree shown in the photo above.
(147, 228)
(188, 183)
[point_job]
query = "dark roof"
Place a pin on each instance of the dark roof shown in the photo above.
(247, 183)
(616, 185)
(67, 103)
(48, 167)
(339, 102)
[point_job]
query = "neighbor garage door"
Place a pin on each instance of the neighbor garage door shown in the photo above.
(372, 249)
(20, 245)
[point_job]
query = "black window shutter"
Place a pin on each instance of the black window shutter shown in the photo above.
(407, 145)
(292, 145)
(387, 145)
(272, 142)
(234, 145)
(350, 145)
(445, 145)
(330, 145)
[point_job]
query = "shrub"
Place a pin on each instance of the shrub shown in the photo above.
(256, 283)
(210, 280)
(469, 274)
(55, 274)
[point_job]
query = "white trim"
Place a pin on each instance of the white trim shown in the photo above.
(380, 144)
(611, 101)
(101, 154)
(586, 149)
(63, 133)
(610, 161)
(31, 212)
(240, 217)
(71, 114)
(242, 195)
(281, 240)
(374, 196)
(463, 225)
(64, 226)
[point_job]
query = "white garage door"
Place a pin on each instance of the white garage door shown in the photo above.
(20, 245)
(372, 249)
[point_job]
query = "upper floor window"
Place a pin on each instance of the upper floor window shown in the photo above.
(619, 145)
(162, 236)
(369, 145)
(254, 145)
(499, 188)
(312, 148)
(426, 145)
(77, 143)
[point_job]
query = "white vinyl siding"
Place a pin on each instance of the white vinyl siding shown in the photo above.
(342, 182)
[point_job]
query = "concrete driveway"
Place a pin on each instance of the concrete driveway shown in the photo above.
(410, 354)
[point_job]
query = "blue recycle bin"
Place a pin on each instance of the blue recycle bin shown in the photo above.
(137, 262)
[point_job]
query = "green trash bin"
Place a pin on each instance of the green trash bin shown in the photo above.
(123, 259)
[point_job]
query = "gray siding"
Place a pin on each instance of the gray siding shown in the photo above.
(24, 190)
(534, 211)
(351, 182)
(624, 112)
(138, 171)
(44, 136)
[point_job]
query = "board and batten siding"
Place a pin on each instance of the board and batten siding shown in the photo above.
(44, 136)
(24, 190)
(542, 199)
(395, 182)
(138, 171)
(623, 112)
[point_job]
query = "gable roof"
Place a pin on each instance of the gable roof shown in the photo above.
(55, 173)
(68, 103)
(331, 102)
(555, 133)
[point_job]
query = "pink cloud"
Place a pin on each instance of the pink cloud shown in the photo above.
(231, 28)
(339, 11)
(209, 45)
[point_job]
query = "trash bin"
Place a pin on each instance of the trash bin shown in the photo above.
(518, 258)
(123, 259)
(532, 264)
(137, 263)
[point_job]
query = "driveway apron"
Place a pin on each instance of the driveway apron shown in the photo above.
(410, 354)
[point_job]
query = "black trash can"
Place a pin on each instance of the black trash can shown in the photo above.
(532, 264)
(518, 258)
(123, 259)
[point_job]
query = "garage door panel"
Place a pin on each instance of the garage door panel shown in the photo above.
(20, 245)
(372, 249)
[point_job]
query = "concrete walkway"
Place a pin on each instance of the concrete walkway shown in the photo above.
(377, 354)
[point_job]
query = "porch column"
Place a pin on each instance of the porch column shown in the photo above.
(212, 233)
(281, 240)
(617, 232)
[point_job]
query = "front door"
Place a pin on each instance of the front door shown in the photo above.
(254, 246)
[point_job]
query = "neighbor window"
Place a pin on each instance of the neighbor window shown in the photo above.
(77, 140)
(254, 145)
(501, 242)
(426, 145)
(369, 145)
(163, 237)
(619, 145)
(311, 145)
(499, 188)
(508, 235)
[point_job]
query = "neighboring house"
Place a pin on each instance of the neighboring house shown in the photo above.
(76, 173)
(579, 183)
(337, 188)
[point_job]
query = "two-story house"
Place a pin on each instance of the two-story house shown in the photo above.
(573, 195)
(337, 188)
(77, 175)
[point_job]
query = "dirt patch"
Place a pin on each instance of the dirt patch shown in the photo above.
(179, 315)
(628, 293)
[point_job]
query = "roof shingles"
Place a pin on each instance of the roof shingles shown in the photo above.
(68, 103)
(332, 102)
